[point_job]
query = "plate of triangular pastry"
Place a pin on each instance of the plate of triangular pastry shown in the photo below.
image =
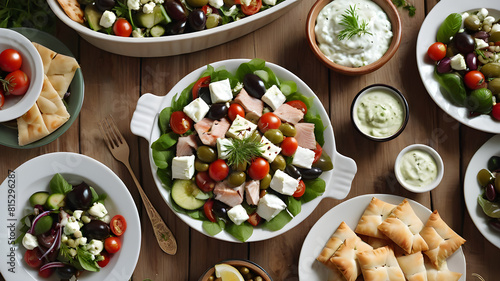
(382, 237)
(59, 102)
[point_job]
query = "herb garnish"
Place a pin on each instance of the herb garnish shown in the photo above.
(402, 3)
(242, 151)
(350, 22)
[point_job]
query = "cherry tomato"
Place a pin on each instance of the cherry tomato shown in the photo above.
(251, 9)
(2, 99)
(204, 181)
(437, 51)
(122, 28)
(202, 82)
(254, 219)
(258, 169)
(17, 82)
(46, 273)
(474, 80)
(10, 60)
(118, 225)
(218, 170)
(288, 146)
(112, 244)
(180, 122)
(269, 121)
(207, 209)
(300, 189)
(317, 152)
(235, 109)
(299, 105)
(495, 111)
(105, 261)
(33, 257)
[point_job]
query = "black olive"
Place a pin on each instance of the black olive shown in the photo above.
(46, 239)
(66, 272)
(220, 210)
(254, 85)
(176, 27)
(204, 94)
(464, 42)
(494, 163)
(217, 111)
(175, 11)
(292, 171)
(95, 229)
(104, 5)
(310, 174)
(197, 19)
(79, 198)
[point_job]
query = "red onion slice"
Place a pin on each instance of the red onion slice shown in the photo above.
(52, 265)
(56, 243)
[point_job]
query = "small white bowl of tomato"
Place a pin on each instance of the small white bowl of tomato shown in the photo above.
(21, 74)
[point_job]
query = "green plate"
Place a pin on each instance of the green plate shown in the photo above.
(8, 134)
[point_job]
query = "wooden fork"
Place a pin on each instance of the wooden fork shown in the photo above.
(120, 150)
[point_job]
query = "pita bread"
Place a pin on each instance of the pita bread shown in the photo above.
(31, 126)
(72, 9)
(46, 54)
(345, 257)
(380, 265)
(332, 245)
(440, 274)
(61, 73)
(376, 212)
(441, 239)
(54, 112)
(403, 227)
(413, 267)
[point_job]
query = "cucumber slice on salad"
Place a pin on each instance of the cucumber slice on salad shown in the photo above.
(93, 16)
(158, 16)
(157, 31)
(55, 201)
(184, 194)
(38, 198)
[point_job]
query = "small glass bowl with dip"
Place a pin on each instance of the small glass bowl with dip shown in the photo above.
(380, 112)
(249, 270)
(419, 168)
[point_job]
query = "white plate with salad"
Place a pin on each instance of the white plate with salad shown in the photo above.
(24, 187)
(472, 189)
(350, 212)
(426, 37)
(152, 110)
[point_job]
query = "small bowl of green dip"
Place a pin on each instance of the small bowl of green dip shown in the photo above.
(380, 112)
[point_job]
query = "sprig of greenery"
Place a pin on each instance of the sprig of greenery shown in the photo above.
(27, 13)
(405, 5)
(350, 22)
(242, 151)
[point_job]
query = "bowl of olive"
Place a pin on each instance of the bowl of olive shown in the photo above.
(245, 269)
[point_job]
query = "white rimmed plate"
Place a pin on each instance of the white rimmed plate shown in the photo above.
(35, 175)
(427, 36)
(472, 189)
(350, 212)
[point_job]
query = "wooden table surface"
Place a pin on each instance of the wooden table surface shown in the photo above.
(113, 84)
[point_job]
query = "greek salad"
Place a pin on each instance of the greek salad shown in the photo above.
(154, 18)
(69, 231)
(467, 56)
(241, 150)
(489, 199)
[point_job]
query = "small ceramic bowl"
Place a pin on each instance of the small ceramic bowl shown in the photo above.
(393, 16)
(439, 166)
(237, 264)
(16, 106)
(405, 114)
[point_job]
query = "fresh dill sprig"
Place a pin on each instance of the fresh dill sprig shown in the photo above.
(350, 22)
(242, 151)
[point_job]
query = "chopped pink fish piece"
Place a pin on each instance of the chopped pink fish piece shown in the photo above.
(289, 113)
(305, 135)
(225, 193)
(186, 145)
(209, 130)
(252, 189)
(249, 103)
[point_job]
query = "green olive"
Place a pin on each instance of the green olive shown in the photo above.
(211, 278)
(491, 70)
(265, 182)
(484, 177)
(255, 136)
(494, 86)
(197, 3)
(206, 154)
(258, 278)
(472, 23)
(288, 130)
(497, 184)
(240, 167)
(237, 178)
(480, 100)
(279, 163)
(252, 117)
(324, 162)
(494, 37)
(244, 270)
(274, 135)
(213, 20)
(200, 166)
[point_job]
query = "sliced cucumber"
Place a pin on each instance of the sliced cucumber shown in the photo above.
(39, 198)
(202, 195)
(93, 16)
(157, 31)
(55, 201)
(184, 194)
(262, 74)
(158, 16)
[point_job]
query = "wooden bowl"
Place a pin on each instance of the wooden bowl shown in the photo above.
(393, 16)
(239, 263)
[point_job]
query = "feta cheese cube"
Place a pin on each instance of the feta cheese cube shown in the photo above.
(241, 128)
(216, 3)
(71, 227)
(238, 214)
(220, 91)
(81, 241)
(183, 167)
(148, 8)
(495, 28)
(269, 150)
(274, 97)
(270, 2)
(77, 214)
(98, 210)
(458, 62)
(303, 158)
(29, 241)
(222, 151)
(107, 19)
(137, 33)
(481, 44)
(106, 219)
(464, 16)
(246, 2)
(270, 206)
(196, 110)
(134, 4)
(489, 20)
(95, 247)
(283, 183)
(482, 13)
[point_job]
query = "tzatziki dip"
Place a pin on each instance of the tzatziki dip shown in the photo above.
(418, 168)
(369, 27)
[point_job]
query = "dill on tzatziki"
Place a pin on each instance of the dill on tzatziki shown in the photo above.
(353, 33)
